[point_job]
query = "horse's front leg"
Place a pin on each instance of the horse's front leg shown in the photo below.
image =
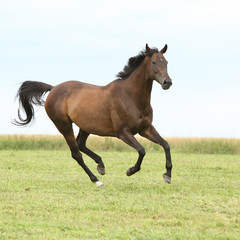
(128, 138)
(151, 134)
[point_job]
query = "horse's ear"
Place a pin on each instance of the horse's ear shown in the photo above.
(148, 49)
(164, 49)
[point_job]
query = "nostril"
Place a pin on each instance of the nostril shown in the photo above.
(167, 82)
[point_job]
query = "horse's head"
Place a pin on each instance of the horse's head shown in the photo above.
(158, 67)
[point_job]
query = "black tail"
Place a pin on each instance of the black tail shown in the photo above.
(30, 93)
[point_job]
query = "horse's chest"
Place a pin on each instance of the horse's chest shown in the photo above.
(144, 120)
(141, 121)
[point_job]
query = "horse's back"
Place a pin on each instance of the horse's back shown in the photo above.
(70, 89)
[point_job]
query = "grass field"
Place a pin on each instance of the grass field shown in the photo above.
(45, 195)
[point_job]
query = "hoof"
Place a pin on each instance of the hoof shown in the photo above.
(99, 184)
(129, 172)
(166, 178)
(101, 170)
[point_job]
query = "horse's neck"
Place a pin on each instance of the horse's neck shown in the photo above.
(141, 85)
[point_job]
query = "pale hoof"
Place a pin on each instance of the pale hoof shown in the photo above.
(166, 178)
(99, 184)
(101, 170)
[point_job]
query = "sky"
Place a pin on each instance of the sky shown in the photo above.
(91, 41)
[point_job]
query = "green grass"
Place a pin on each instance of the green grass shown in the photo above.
(45, 195)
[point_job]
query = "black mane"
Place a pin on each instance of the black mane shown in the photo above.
(134, 63)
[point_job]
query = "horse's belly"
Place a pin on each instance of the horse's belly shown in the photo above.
(94, 119)
(95, 125)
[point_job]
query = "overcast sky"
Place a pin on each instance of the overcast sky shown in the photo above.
(58, 40)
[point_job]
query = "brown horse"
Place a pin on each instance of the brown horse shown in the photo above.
(120, 109)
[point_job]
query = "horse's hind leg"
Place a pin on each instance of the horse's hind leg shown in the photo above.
(65, 128)
(81, 141)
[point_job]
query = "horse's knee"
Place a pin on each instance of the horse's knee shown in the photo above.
(166, 146)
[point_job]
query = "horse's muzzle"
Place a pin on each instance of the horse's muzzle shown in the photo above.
(167, 83)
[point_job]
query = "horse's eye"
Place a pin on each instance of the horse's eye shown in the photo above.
(153, 62)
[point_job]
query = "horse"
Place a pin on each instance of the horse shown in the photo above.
(119, 109)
